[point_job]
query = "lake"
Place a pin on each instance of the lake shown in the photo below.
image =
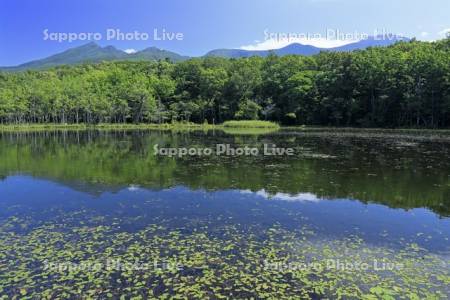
(98, 214)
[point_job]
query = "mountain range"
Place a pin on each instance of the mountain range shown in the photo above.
(93, 53)
(299, 49)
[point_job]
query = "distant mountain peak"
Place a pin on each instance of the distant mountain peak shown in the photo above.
(94, 53)
(301, 49)
(90, 44)
(152, 48)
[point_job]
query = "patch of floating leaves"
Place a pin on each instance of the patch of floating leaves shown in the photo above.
(229, 262)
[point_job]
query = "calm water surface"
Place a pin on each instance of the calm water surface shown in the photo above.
(235, 227)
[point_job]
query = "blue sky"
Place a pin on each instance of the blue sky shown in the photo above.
(211, 24)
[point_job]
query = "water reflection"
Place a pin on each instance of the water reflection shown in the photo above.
(83, 197)
(409, 172)
(41, 201)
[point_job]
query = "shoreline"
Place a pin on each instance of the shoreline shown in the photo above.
(106, 126)
(193, 126)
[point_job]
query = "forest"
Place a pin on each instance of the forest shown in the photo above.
(404, 85)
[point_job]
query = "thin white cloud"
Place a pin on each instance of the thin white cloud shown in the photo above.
(424, 34)
(270, 44)
(130, 51)
(301, 197)
(134, 188)
(445, 32)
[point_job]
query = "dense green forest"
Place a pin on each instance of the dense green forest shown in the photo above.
(405, 85)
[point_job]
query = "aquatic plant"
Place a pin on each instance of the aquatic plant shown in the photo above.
(250, 124)
(204, 260)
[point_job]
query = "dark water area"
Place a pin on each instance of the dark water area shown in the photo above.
(71, 197)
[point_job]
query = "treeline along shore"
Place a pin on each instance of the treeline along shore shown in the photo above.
(404, 85)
